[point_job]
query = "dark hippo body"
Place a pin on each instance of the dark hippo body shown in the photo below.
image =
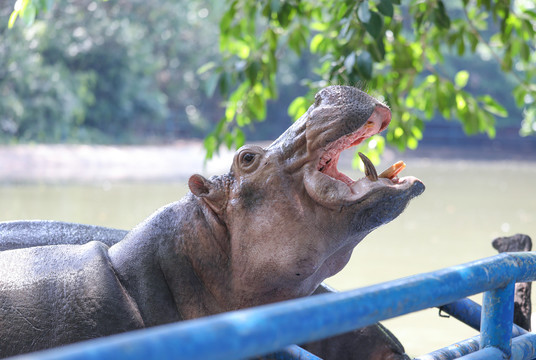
(30, 233)
(41, 291)
(281, 221)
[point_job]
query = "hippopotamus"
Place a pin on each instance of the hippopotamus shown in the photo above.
(281, 221)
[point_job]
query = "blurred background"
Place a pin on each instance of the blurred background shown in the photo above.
(106, 109)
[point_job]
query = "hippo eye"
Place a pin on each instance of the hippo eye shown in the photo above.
(247, 158)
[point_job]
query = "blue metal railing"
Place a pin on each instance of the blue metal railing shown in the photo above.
(271, 328)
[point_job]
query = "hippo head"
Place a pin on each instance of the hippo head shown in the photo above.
(291, 218)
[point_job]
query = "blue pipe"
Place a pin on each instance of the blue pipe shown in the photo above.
(523, 347)
(498, 318)
(269, 328)
(469, 312)
(454, 351)
(465, 310)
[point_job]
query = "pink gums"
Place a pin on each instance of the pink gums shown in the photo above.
(377, 122)
(330, 158)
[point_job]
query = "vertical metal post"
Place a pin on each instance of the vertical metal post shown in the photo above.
(498, 318)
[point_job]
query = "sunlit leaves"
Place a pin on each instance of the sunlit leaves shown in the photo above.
(370, 42)
(461, 79)
(528, 126)
(298, 107)
(492, 106)
(26, 10)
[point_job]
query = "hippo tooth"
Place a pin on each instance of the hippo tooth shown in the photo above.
(370, 170)
(393, 170)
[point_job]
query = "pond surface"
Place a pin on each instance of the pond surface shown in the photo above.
(465, 206)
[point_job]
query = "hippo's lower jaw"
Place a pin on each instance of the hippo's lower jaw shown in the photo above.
(333, 189)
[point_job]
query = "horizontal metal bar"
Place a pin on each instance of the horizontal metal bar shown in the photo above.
(454, 351)
(465, 310)
(266, 329)
(523, 348)
(490, 353)
(469, 312)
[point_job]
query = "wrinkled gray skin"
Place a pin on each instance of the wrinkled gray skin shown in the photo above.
(281, 221)
(29, 233)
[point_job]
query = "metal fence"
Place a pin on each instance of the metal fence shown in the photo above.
(271, 328)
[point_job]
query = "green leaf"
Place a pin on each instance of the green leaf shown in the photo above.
(228, 139)
(417, 133)
(297, 107)
(285, 14)
(461, 104)
(297, 39)
(364, 64)
(28, 13)
(519, 94)
(412, 143)
(441, 17)
(210, 84)
(211, 145)
(257, 106)
(375, 25)
(224, 83)
(363, 12)
(12, 19)
(386, 8)
(240, 138)
(315, 42)
(461, 79)
(492, 106)
(206, 67)
(252, 70)
(226, 20)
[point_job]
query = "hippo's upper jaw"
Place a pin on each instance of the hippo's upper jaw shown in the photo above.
(343, 117)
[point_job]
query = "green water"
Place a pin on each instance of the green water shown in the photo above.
(464, 207)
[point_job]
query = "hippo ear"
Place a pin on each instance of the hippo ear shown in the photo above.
(208, 191)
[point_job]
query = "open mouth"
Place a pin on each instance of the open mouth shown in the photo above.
(330, 158)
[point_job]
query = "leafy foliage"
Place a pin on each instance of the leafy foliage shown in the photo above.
(89, 71)
(396, 51)
(403, 53)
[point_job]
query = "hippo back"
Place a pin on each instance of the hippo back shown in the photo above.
(56, 295)
(30, 233)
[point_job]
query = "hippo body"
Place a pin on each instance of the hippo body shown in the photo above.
(281, 221)
(30, 233)
(39, 290)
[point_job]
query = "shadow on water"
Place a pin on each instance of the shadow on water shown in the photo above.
(467, 203)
